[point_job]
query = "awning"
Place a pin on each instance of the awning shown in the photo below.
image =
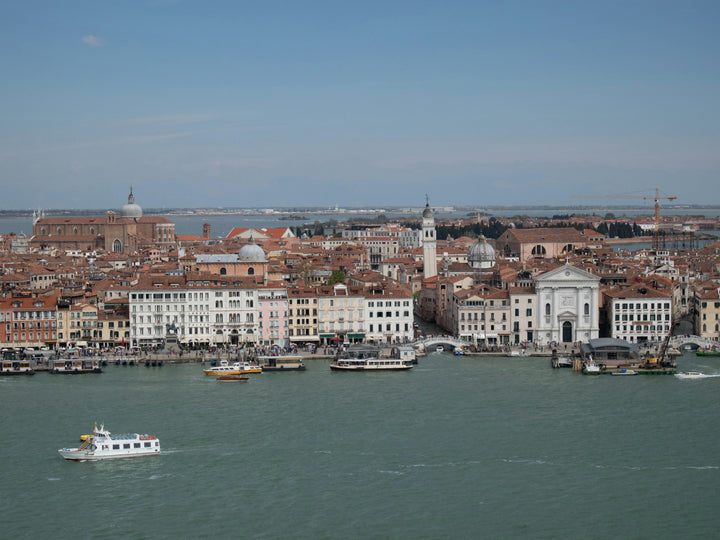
(327, 336)
(356, 336)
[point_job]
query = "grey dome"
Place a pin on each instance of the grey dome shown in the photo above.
(427, 213)
(481, 254)
(252, 253)
(131, 210)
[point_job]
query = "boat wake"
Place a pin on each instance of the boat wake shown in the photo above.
(692, 375)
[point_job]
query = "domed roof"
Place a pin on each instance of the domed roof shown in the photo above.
(131, 210)
(427, 213)
(481, 254)
(252, 253)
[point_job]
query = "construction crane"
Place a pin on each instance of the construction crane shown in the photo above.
(657, 198)
(656, 234)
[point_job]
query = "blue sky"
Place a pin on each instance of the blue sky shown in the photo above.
(357, 103)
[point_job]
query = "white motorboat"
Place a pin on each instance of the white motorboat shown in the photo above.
(104, 445)
(624, 371)
(690, 375)
(591, 368)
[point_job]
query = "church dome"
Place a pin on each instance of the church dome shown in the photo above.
(481, 254)
(252, 253)
(131, 210)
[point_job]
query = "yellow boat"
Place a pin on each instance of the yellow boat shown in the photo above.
(238, 368)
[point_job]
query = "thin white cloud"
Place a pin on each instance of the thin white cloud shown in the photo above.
(93, 41)
(170, 119)
(130, 139)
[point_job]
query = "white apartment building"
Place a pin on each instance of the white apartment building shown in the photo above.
(200, 310)
(638, 314)
(389, 316)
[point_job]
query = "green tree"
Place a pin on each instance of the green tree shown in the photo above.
(337, 276)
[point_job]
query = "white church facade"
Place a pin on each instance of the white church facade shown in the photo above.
(567, 306)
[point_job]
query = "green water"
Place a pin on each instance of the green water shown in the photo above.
(455, 448)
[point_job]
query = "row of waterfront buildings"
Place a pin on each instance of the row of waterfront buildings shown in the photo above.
(134, 282)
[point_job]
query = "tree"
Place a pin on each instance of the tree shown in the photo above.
(337, 276)
(306, 270)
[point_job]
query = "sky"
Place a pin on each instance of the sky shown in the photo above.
(374, 103)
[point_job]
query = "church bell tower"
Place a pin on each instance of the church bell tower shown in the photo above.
(428, 241)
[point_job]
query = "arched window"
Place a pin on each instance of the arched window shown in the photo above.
(547, 308)
(539, 250)
(568, 248)
(587, 308)
(42, 230)
(704, 327)
(223, 271)
(75, 230)
(117, 246)
(251, 271)
(59, 230)
(92, 230)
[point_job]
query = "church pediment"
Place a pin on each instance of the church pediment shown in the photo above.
(566, 273)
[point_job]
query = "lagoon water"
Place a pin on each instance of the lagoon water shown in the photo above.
(458, 447)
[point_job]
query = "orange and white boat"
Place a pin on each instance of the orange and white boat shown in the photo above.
(238, 368)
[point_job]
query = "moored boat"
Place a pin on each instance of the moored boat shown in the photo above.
(591, 368)
(75, 366)
(281, 363)
(103, 445)
(708, 352)
(16, 367)
(623, 371)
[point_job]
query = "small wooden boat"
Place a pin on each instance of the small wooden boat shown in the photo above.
(231, 378)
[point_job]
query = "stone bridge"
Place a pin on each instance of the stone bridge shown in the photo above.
(434, 341)
(691, 342)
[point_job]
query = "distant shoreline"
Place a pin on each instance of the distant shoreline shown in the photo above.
(354, 211)
(633, 240)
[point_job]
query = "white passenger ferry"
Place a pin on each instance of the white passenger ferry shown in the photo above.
(368, 359)
(103, 445)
